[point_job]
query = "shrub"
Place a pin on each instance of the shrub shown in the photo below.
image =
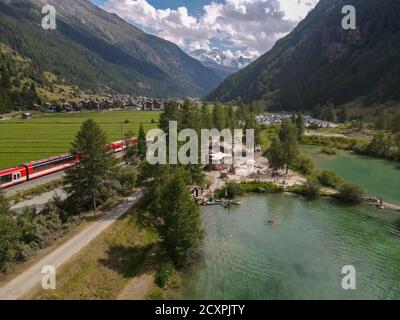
(230, 191)
(360, 147)
(163, 276)
(303, 164)
(127, 178)
(311, 190)
(260, 187)
(328, 151)
(329, 179)
(350, 192)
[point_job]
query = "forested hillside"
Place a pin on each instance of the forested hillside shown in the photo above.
(99, 52)
(320, 63)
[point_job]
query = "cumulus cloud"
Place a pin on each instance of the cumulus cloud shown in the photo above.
(239, 27)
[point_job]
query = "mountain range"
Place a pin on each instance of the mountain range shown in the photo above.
(320, 62)
(98, 51)
(219, 61)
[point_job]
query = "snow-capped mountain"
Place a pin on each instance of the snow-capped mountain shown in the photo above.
(216, 56)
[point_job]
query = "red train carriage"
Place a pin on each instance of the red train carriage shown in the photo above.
(41, 168)
(12, 177)
(36, 169)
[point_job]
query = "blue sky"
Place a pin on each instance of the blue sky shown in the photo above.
(194, 6)
(246, 28)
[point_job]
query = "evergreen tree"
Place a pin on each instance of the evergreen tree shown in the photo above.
(205, 117)
(131, 153)
(342, 115)
(181, 229)
(170, 114)
(93, 180)
(275, 154)
(218, 117)
(142, 143)
(300, 126)
(329, 112)
(289, 142)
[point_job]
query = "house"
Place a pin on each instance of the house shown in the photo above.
(158, 105)
(148, 106)
(26, 115)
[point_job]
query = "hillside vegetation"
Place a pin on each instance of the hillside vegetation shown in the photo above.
(99, 52)
(320, 63)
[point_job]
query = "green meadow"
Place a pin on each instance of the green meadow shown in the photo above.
(51, 134)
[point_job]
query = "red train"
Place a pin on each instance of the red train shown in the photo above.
(36, 169)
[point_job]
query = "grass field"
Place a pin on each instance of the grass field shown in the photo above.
(51, 134)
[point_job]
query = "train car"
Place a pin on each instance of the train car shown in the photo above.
(37, 169)
(40, 168)
(119, 146)
(12, 177)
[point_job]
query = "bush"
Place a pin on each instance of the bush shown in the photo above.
(230, 191)
(328, 151)
(360, 148)
(350, 192)
(303, 164)
(127, 178)
(164, 275)
(311, 190)
(260, 187)
(329, 179)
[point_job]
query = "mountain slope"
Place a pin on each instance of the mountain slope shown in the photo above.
(320, 62)
(99, 51)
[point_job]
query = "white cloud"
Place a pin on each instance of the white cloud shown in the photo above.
(248, 27)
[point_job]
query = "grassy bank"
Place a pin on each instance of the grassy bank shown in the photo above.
(124, 252)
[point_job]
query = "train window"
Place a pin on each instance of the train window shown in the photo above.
(16, 176)
(5, 179)
(52, 164)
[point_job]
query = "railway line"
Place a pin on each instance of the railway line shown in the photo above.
(34, 173)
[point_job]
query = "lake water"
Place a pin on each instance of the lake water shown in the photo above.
(379, 177)
(299, 258)
(303, 255)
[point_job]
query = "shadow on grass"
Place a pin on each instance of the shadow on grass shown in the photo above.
(131, 261)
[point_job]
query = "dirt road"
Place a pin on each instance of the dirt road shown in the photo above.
(25, 282)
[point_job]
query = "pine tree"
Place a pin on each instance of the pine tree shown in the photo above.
(275, 154)
(142, 143)
(300, 126)
(181, 229)
(205, 117)
(289, 142)
(131, 153)
(219, 117)
(170, 114)
(93, 180)
(342, 115)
